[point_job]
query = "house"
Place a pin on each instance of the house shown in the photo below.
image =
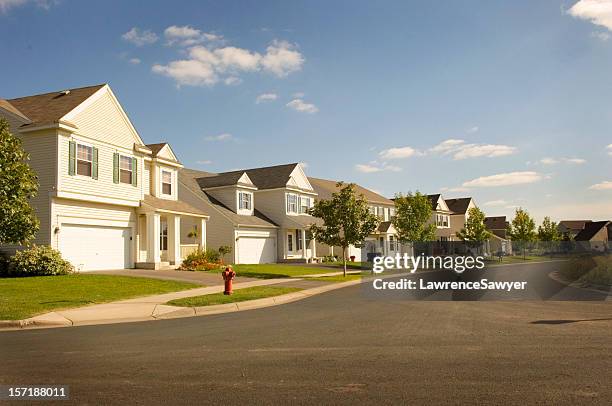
(570, 228)
(499, 241)
(385, 236)
(595, 236)
(106, 199)
(260, 213)
(441, 217)
(459, 208)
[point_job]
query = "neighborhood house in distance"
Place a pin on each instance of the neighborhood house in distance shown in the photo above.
(107, 200)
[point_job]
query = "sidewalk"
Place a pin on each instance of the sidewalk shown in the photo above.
(154, 307)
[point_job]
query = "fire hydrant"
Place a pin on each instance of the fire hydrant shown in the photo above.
(228, 276)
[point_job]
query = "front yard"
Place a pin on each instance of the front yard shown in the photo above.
(21, 298)
(239, 295)
(270, 271)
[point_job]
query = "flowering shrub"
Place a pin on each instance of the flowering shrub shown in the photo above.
(39, 260)
(201, 260)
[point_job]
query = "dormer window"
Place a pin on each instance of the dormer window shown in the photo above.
(166, 182)
(292, 203)
(126, 170)
(245, 201)
(84, 160)
(304, 204)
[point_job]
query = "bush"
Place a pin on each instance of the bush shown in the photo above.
(201, 260)
(590, 270)
(4, 264)
(39, 261)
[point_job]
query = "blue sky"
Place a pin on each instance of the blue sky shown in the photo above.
(508, 102)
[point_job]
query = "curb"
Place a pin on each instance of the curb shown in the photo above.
(554, 275)
(45, 320)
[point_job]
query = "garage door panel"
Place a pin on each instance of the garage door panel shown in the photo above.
(93, 248)
(256, 250)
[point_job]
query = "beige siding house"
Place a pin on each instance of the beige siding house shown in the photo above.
(383, 239)
(260, 212)
(459, 214)
(106, 200)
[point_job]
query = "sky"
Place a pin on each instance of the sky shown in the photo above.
(507, 102)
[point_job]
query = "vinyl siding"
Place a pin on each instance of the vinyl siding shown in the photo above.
(271, 204)
(104, 185)
(103, 120)
(146, 179)
(226, 196)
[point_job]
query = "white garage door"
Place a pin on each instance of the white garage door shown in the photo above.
(256, 250)
(91, 248)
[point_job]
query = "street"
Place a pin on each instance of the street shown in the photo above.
(338, 347)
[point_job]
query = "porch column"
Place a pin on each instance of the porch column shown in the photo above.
(174, 239)
(303, 231)
(153, 229)
(314, 248)
(202, 241)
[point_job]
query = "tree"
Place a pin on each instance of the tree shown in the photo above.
(522, 228)
(412, 218)
(474, 232)
(194, 233)
(548, 231)
(347, 219)
(18, 184)
(224, 250)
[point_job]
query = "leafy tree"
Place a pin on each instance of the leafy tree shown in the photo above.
(522, 228)
(474, 232)
(346, 219)
(18, 184)
(224, 250)
(412, 218)
(548, 231)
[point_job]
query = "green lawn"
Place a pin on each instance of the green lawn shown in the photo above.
(25, 297)
(337, 278)
(518, 259)
(270, 271)
(240, 295)
(349, 264)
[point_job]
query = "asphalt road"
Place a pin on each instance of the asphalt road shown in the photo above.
(342, 347)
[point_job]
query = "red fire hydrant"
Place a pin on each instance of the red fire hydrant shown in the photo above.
(228, 276)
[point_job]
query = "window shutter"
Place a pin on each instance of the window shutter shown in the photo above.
(115, 168)
(94, 163)
(71, 158)
(134, 172)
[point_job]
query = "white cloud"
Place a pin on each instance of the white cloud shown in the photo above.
(548, 161)
(599, 12)
(575, 161)
(298, 95)
(232, 80)
(461, 150)
(207, 65)
(398, 153)
(374, 166)
(483, 150)
(6, 5)
(188, 36)
(301, 106)
(140, 38)
(473, 129)
(609, 148)
(304, 165)
(554, 161)
(134, 61)
(496, 203)
(601, 35)
(282, 58)
(265, 97)
(606, 185)
(220, 137)
(204, 162)
(505, 179)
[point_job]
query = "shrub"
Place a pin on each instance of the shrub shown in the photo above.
(39, 261)
(201, 260)
(590, 270)
(4, 264)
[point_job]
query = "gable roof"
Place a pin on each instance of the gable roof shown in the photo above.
(460, 205)
(573, 225)
(177, 206)
(155, 148)
(189, 178)
(49, 108)
(495, 223)
(269, 177)
(220, 179)
(590, 229)
(325, 188)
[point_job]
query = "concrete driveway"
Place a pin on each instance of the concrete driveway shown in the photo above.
(201, 278)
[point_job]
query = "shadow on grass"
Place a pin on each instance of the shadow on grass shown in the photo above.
(566, 321)
(262, 275)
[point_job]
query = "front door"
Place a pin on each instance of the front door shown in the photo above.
(163, 239)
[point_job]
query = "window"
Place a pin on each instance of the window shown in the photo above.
(244, 200)
(392, 213)
(163, 236)
(289, 242)
(125, 169)
(166, 179)
(84, 160)
(391, 243)
(381, 213)
(308, 238)
(291, 203)
(298, 239)
(304, 204)
(441, 220)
